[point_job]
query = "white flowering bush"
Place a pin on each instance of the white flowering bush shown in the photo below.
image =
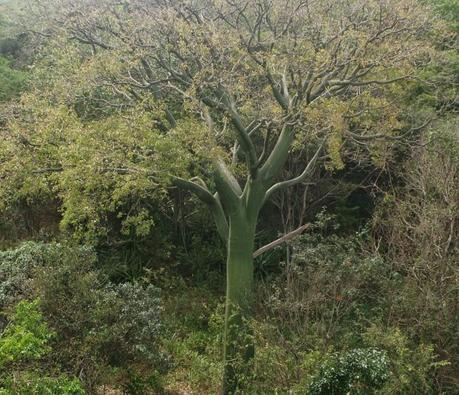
(358, 371)
(138, 322)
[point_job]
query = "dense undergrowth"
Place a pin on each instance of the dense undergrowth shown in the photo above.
(333, 320)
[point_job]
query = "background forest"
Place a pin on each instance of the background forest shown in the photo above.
(112, 271)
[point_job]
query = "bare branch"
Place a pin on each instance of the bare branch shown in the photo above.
(212, 201)
(280, 240)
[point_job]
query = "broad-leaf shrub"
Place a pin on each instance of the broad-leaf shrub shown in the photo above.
(138, 323)
(26, 340)
(413, 365)
(26, 336)
(16, 269)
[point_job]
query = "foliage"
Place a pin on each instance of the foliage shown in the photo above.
(15, 269)
(99, 181)
(193, 338)
(449, 9)
(325, 299)
(412, 367)
(99, 326)
(358, 371)
(108, 109)
(138, 321)
(331, 284)
(26, 336)
(417, 225)
(26, 339)
(12, 81)
(35, 384)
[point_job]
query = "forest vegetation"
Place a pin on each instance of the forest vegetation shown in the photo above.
(229, 197)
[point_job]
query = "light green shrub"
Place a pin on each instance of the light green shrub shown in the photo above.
(26, 336)
(412, 365)
(25, 340)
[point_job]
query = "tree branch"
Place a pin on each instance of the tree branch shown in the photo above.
(296, 180)
(227, 185)
(279, 154)
(280, 240)
(212, 201)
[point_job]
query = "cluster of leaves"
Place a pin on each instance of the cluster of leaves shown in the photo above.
(12, 81)
(138, 319)
(25, 340)
(15, 271)
(26, 336)
(99, 170)
(193, 337)
(35, 384)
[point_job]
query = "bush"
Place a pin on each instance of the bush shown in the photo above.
(24, 341)
(328, 290)
(417, 228)
(412, 365)
(324, 300)
(193, 339)
(359, 371)
(16, 271)
(138, 325)
(26, 336)
(12, 81)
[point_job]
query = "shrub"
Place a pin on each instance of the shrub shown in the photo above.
(16, 270)
(359, 371)
(412, 365)
(11, 81)
(417, 228)
(328, 290)
(24, 341)
(138, 324)
(26, 336)
(193, 339)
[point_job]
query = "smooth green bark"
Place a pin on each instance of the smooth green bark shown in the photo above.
(238, 340)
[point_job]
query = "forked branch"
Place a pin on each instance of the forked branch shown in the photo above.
(288, 183)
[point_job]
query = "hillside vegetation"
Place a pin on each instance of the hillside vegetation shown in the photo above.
(229, 197)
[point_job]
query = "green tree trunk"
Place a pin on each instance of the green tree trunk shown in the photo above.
(238, 340)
